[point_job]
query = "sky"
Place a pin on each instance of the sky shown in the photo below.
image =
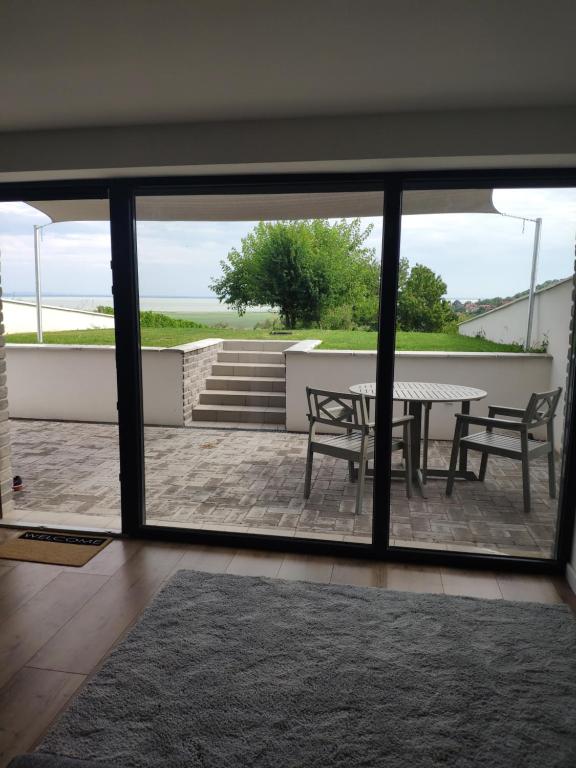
(477, 255)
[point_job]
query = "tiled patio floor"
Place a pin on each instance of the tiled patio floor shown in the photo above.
(244, 480)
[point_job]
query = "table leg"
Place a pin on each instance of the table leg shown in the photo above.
(415, 410)
(463, 467)
(420, 470)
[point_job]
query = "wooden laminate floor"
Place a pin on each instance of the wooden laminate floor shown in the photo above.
(57, 624)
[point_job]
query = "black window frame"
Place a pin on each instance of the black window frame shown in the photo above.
(122, 193)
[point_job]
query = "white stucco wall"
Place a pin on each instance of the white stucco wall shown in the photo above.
(78, 383)
(507, 324)
(551, 323)
(20, 317)
(509, 379)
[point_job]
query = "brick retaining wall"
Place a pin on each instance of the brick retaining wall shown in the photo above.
(197, 360)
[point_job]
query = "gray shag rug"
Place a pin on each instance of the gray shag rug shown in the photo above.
(231, 671)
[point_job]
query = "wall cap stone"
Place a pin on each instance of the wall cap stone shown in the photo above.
(305, 346)
(196, 345)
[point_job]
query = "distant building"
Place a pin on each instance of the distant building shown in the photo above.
(20, 317)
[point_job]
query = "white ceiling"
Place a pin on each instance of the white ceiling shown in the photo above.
(68, 63)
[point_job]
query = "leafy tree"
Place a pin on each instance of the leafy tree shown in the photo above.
(308, 270)
(403, 273)
(420, 303)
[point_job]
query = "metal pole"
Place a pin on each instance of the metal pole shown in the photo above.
(39, 337)
(535, 255)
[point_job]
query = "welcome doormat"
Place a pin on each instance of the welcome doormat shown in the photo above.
(228, 671)
(54, 548)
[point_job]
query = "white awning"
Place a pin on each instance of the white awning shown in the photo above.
(272, 207)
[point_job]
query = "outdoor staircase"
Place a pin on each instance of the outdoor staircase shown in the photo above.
(247, 384)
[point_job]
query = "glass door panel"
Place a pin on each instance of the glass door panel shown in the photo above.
(483, 323)
(246, 301)
(60, 460)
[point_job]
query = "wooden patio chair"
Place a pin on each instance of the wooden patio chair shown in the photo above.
(354, 440)
(539, 412)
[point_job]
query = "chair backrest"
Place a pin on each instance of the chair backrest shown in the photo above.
(338, 409)
(541, 407)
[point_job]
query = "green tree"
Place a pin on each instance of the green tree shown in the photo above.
(420, 303)
(403, 273)
(308, 270)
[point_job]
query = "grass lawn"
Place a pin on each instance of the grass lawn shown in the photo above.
(169, 337)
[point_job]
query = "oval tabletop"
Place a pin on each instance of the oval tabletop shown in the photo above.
(424, 392)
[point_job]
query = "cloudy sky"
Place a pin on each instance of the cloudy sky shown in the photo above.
(478, 255)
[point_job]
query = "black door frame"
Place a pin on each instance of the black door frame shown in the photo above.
(122, 194)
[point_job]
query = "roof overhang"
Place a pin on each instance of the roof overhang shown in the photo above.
(272, 207)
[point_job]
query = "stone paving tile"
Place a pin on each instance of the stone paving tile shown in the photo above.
(254, 479)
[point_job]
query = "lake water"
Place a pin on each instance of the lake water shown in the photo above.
(155, 303)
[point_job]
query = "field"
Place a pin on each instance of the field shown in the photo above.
(230, 319)
(169, 337)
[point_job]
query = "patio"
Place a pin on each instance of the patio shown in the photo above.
(252, 481)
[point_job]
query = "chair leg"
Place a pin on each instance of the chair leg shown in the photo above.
(362, 464)
(351, 472)
(454, 458)
(405, 413)
(483, 465)
(360, 488)
(352, 475)
(408, 459)
(308, 480)
(427, 408)
(526, 483)
(551, 474)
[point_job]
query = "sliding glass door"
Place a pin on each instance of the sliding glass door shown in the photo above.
(311, 362)
(484, 312)
(58, 400)
(258, 321)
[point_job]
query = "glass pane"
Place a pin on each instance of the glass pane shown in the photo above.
(60, 443)
(246, 301)
(474, 342)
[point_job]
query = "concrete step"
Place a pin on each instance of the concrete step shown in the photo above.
(241, 356)
(234, 397)
(249, 345)
(247, 383)
(249, 369)
(239, 413)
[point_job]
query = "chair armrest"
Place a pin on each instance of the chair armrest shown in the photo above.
(340, 424)
(396, 422)
(505, 411)
(401, 420)
(487, 421)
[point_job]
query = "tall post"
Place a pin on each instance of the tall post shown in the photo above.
(37, 230)
(128, 357)
(535, 255)
(390, 266)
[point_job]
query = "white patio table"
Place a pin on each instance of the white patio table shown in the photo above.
(419, 397)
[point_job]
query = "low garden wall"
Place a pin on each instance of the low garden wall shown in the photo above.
(78, 383)
(509, 379)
